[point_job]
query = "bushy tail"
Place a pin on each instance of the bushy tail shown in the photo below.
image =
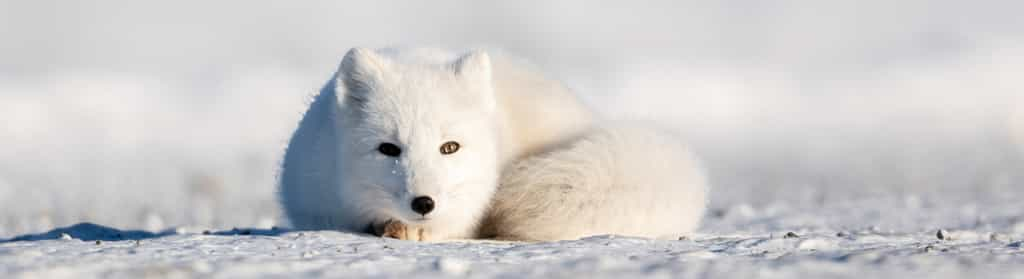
(620, 179)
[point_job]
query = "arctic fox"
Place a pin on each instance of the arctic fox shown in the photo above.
(425, 144)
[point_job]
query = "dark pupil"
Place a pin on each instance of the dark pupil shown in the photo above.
(449, 147)
(389, 149)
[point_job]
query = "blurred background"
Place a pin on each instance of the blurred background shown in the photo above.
(160, 114)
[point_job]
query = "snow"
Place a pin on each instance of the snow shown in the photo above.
(882, 237)
(783, 242)
(124, 123)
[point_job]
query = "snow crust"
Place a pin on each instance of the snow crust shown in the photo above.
(896, 238)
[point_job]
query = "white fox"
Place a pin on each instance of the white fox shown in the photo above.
(424, 144)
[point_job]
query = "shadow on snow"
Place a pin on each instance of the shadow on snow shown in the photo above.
(90, 232)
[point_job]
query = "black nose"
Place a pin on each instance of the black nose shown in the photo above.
(422, 205)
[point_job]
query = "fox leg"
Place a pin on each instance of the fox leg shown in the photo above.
(399, 230)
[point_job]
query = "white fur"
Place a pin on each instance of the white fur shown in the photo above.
(621, 179)
(505, 115)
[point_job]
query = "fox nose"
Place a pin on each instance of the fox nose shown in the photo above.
(422, 205)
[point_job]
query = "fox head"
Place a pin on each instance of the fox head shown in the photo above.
(418, 139)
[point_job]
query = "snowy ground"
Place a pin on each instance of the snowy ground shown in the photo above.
(884, 121)
(850, 239)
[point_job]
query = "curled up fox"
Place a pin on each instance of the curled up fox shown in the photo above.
(426, 144)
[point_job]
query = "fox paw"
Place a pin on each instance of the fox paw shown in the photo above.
(399, 230)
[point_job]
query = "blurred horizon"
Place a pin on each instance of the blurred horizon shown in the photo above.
(149, 115)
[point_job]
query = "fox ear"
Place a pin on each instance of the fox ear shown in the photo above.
(359, 73)
(474, 68)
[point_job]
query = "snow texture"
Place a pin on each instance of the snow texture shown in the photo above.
(853, 239)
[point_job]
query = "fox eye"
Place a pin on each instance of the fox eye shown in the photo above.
(449, 147)
(389, 149)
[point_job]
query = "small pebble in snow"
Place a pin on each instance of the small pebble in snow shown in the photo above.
(684, 238)
(98, 242)
(452, 266)
(942, 235)
(842, 234)
(718, 213)
(206, 232)
(790, 235)
(65, 236)
(998, 237)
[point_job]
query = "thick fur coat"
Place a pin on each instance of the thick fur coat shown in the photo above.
(499, 150)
